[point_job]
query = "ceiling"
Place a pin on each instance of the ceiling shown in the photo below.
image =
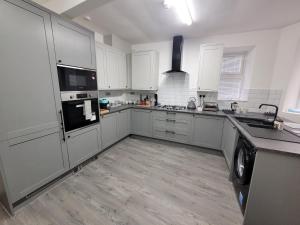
(139, 21)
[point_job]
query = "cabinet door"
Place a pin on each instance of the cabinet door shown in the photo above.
(74, 45)
(30, 164)
(123, 124)
(141, 70)
(208, 132)
(129, 71)
(112, 68)
(122, 71)
(210, 67)
(109, 129)
(101, 67)
(229, 140)
(141, 121)
(83, 144)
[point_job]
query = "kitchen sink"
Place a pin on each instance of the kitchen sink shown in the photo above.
(255, 122)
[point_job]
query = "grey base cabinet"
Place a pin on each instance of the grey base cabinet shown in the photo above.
(229, 141)
(172, 126)
(208, 131)
(29, 164)
(83, 144)
(123, 123)
(109, 129)
(141, 121)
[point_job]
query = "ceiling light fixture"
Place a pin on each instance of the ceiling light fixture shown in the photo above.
(182, 10)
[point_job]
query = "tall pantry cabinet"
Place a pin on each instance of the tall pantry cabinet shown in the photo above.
(31, 150)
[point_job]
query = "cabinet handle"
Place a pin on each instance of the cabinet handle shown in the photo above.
(170, 120)
(170, 132)
(62, 125)
(171, 112)
(59, 61)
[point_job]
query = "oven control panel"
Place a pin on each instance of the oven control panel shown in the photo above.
(73, 96)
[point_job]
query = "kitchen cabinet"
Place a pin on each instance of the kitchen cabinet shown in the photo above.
(109, 131)
(229, 141)
(123, 123)
(129, 70)
(208, 131)
(111, 68)
(32, 152)
(74, 45)
(141, 122)
(172, 126)
(211, 57)
(83, 144)
(145, 70)
(30, 163)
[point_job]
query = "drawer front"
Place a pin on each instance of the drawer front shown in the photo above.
(171, 135)
(173, 115)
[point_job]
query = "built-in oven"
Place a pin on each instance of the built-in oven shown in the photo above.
(79, 109)
(76, 79)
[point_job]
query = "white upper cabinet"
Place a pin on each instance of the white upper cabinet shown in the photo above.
(210, 67)
(111, 68)
(145, 70)
(74, 45)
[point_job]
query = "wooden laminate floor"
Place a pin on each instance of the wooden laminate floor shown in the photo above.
(139, 182)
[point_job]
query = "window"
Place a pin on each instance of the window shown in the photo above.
(232, 76)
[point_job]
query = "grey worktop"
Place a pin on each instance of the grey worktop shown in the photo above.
(155, 108)
(258, 143)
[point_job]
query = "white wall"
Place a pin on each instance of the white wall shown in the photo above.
(176, 89)
(285, 68)
(264, 43)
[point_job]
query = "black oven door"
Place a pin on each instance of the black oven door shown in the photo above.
(76, 79)
(74, 115)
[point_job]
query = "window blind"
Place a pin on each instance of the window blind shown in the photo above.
(232, 75)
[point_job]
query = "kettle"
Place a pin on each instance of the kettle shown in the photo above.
(234, 106)
(192, 103)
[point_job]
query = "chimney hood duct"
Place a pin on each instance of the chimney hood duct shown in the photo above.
(176, 55)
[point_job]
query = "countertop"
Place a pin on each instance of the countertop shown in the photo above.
(260, 144)
(155, 108)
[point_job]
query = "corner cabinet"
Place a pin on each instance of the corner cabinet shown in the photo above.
(141, 122)
(74, 45)
(208, 131)
(145, 70)
(211, 57)
(111, 68)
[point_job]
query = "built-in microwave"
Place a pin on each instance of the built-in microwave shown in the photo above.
(76, 79)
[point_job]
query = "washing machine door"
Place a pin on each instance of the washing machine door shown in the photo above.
(243, 163)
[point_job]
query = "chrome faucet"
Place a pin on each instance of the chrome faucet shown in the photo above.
(275, 115)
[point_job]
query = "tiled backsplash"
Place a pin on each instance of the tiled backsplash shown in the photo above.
(255, 98)
(176, 90)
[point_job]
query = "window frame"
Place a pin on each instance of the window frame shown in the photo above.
(240, 76)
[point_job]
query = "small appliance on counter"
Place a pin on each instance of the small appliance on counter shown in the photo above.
(210, 106)
(104, 103)
(192, 103)
(234, 107)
